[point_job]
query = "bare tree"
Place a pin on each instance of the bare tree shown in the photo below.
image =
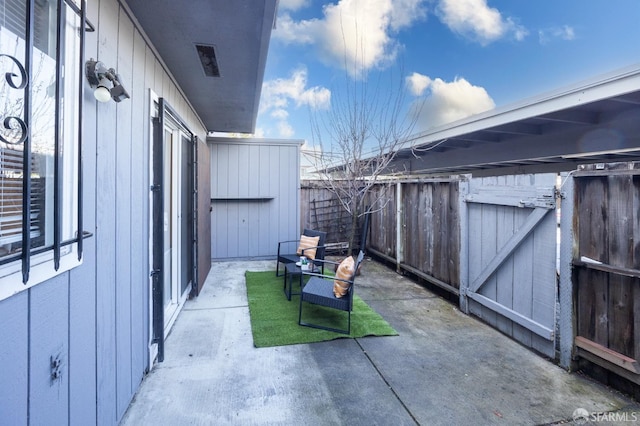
(359, 136)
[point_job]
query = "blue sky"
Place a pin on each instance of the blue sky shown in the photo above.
(462, 56)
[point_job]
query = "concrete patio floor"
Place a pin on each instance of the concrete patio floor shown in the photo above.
(444, 368)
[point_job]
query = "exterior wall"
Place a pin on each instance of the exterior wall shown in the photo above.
(255, 196)
(95, 318)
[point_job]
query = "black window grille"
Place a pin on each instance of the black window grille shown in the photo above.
(41, 59)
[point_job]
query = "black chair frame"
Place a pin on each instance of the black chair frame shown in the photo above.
(288, 257)
(319, 291)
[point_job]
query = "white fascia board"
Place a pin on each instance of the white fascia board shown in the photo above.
(253, 141)
(606, 86)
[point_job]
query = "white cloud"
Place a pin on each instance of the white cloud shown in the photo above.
(292, 4)
(476, 20)
(285, 130)
(405, 12)
(449, 101)
(355, 35)
(564, 32)
(418, 83)
(278, 95)
(292, 32)
(280, 114)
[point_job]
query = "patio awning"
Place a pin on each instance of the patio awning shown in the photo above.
(592, 122)
(216, 50)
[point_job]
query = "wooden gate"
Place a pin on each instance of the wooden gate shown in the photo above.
(508, 270)
(606, 267)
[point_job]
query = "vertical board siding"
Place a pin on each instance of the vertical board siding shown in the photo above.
(82, 280)
(14, 353)
(48, 333)
(139, 237)
(82, 339)
(254, 197)
(95, 318)
(265, 238)
(124, 190)
(106, 221)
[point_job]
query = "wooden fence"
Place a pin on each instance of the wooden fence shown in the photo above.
(607, 268)
(320, 209)
(431, 227)
(418, 227)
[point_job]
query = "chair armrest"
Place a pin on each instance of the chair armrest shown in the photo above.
(285, 242)
(312, 248)
(327, 277)
(289, 241)
(323, 261)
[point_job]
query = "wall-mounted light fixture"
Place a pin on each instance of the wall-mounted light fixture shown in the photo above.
(99, 76)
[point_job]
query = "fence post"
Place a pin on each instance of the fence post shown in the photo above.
(565, 297)
(463, 190)
(399, 228)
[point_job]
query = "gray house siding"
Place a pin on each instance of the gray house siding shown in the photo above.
(94, 319)
(255, 196)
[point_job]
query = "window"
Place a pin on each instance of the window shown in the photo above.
(40, 125)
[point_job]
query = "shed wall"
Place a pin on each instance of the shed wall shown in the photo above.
(255, 196)
(95, 318)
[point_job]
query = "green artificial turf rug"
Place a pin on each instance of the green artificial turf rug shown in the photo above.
(274, 319)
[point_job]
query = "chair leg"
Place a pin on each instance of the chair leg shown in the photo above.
(300, 311)
(285, 286)
(322, 327)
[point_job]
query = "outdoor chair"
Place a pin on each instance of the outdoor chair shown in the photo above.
(319, 291)
(287, 250)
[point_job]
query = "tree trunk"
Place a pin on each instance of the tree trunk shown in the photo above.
(352, 234)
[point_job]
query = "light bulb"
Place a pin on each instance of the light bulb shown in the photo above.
(102, 94)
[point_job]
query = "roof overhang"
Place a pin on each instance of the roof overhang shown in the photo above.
(592, 122)
(237, 32)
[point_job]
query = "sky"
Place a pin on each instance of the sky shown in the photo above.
(454, 58)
